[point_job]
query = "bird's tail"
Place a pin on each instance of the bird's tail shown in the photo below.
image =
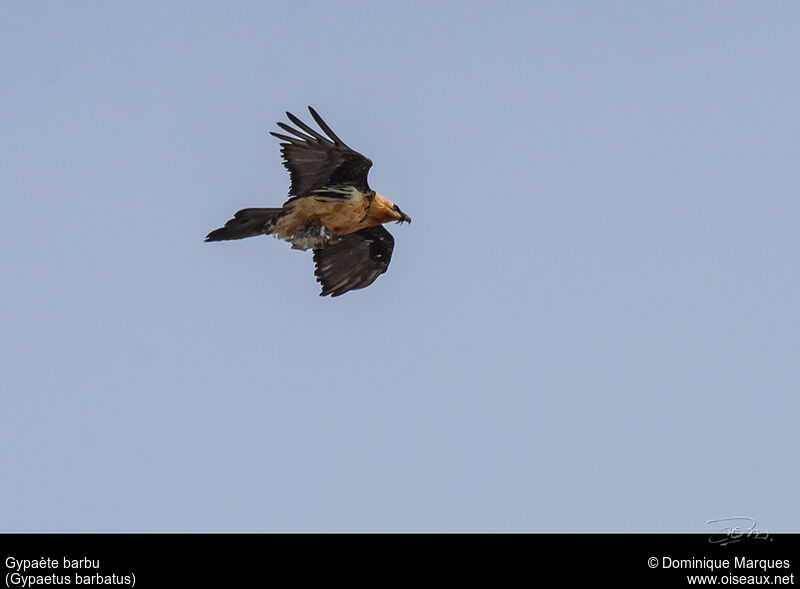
(247, 223)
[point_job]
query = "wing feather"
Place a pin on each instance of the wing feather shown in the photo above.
(299, 136)
(324, 126)
(316, 162)
(311, 131)
(353, 261)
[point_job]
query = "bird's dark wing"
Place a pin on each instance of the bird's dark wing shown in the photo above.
(353, 261)
(315, 161)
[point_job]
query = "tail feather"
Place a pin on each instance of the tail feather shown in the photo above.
(247, 223)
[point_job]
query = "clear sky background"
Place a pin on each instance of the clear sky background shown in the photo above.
(591, 325)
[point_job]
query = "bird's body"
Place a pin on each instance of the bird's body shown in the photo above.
(344, 214)
(332, 210)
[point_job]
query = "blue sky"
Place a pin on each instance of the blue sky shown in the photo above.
(591, 324)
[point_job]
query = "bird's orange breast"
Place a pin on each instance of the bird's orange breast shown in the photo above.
(339, 215)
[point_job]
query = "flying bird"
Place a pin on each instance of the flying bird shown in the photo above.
(332, 210)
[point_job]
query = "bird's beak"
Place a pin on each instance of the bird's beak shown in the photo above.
(403, 217)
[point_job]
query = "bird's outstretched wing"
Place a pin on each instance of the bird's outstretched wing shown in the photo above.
(353, 261)
(316, 162)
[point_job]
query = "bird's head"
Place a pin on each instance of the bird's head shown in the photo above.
(388, 211)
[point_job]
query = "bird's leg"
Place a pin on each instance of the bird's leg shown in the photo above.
(310, 235)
